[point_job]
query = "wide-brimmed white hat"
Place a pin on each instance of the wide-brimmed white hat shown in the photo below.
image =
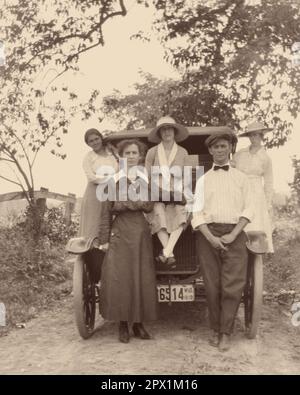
(180, 135)
(255, 127)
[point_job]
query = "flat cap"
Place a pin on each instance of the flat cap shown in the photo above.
(229, 136)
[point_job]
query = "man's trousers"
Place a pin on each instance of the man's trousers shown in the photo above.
(224, 274)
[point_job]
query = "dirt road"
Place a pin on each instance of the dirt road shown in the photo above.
(51, 344)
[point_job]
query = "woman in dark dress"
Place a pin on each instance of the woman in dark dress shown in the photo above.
(128, 287)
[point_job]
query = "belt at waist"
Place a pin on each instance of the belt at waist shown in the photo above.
(218, 229)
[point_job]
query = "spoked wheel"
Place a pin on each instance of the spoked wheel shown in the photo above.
(84, 298)
(253, 294)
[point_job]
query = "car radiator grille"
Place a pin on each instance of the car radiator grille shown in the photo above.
(185, 251)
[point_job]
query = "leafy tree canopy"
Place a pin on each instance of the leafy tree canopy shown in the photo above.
(236, 62)
(43, 38)
(39, 33)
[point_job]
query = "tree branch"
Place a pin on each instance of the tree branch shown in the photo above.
(221, 10)
(123, 12)
(223, 33)
(55, 78)
(45, 142)
(20, 185)
(97, 27)
(23, 149)
(7, 160)
(12, 181)
(12, 155)
(71, 57)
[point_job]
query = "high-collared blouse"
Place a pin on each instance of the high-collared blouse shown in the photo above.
(257, 164)
(93, 162)
(222, 197)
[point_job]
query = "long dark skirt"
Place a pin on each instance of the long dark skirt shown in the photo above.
(128, 287)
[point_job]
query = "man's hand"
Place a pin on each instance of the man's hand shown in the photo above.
(217, 243)
(228, 238)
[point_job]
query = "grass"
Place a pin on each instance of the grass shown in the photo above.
(282, 269)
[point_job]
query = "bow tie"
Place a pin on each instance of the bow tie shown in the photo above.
(226, 167)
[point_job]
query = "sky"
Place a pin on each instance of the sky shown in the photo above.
(116, 66)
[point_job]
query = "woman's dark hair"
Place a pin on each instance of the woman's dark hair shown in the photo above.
(141, 146)
(91, 132)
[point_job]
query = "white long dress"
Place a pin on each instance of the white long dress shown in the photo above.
(258, 167)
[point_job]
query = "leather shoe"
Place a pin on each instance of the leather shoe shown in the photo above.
(139, 331)
(224, 344)
(123, 332)
(214, 338)
(171, 262)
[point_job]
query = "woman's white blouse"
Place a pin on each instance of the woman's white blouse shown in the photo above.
(96, 166)
(258, 164)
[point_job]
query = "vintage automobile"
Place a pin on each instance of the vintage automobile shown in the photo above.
(184, 283)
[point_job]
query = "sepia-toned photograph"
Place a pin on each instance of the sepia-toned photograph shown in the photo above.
(149, 189)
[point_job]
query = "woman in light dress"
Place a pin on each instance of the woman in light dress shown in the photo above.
(255, 162)
(93, 164)
(95, 214)
(168, 219)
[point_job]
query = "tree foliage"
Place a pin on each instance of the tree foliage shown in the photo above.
(235, 62)
(153, 97)
(295, 185)
(43, 38)
(28, 124)
(39, 33)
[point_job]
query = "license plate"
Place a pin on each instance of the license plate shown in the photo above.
(176, 293)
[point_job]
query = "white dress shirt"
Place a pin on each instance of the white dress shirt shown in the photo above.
(222, 197)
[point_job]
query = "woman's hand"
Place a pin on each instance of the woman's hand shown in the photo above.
(104, 247)
(96, 243)
(232, 163)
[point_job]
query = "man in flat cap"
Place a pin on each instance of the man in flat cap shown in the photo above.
(222, 209)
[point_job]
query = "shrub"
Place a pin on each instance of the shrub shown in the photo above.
(31, 275)
(55, 227)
